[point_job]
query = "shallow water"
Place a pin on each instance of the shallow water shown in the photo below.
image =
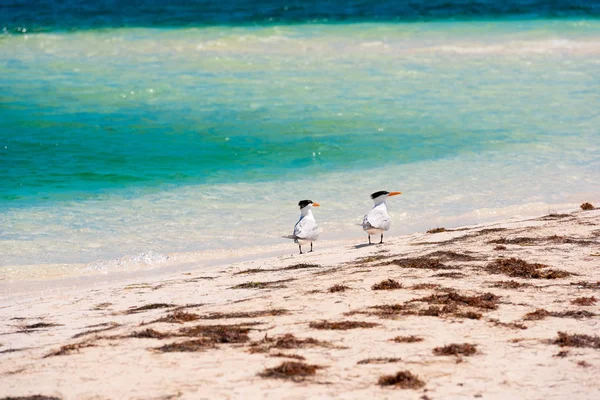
(118, 141)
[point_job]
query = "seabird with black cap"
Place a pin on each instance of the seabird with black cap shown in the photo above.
(306, 229)
(378, 220)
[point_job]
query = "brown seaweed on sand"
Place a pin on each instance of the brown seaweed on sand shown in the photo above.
(419, 263)
(464, 349)
(577, 340)
(342, 325)
(150, 334)
(147, 307)
(388, 284)
(218, 333)
(515, 267)
(338, 288)
(247, 314)
(178, 317)
(263, 285)
(187, 346)
(587, 206)
(379, 360)
(292, 370)
(402, 380)
(509, 284)
(287, 341)
(485, 301)
(584, 301)
(407, 339)
(69, 349)
(540, 314)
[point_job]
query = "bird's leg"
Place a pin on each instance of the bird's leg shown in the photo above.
(300, 247)
(311, 247)
(369, 239)
(381, 241)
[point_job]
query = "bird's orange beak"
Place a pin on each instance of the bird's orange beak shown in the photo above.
(394, 193)
(316, 205)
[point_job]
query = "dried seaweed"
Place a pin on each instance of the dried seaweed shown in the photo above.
(586, 285)
(187, 346)
(69, 349)
(219, 333)
(342, 325)
(485, 301)
(425, 286)
(39, 325)
(247, 314)
(178, 317)
(577, 340)
(437, 230)
(515, 267)
(587, 206)
(419, 263)
(263, 285)
(452, 256)
(287, 341)
(147, 307)
(407, 339)
(388, 284)
(292, 370)
(402, 380)
(284, 355)
(464, 349)
(338, 288)
(584, 301)
(379, 360)
(150, 334)
(512, 325)
(510, 284)
(540, 314)
(453, 275)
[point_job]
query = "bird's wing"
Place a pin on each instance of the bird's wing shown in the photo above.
(307, 228)
(377, 219)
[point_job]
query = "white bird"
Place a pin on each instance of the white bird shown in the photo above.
(378, 219)
(306, 229)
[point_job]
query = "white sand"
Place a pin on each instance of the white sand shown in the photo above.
(510, 362)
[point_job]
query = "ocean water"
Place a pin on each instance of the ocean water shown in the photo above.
(180, 126)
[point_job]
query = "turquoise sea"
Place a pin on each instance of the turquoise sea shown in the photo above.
(198, 127)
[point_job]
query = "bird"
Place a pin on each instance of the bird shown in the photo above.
(378, 219)
(306, 229)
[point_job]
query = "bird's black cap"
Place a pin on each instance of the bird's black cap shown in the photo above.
(380, 193)
(304, 203)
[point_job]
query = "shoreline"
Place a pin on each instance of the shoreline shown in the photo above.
(223, 330)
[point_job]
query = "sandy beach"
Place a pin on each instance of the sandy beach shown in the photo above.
(497, 311)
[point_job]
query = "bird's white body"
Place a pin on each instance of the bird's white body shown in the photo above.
(306, 229)
(377, 220)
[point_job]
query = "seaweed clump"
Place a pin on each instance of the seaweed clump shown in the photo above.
(587, 206)
(179, 317)
(515, 267)
(287, 341)
(407, 339)
(464, 349)
(292, 370)
(577, 340)
(69, 349)
(584, 301)
(437, 230)
(342, 325)
(187, 346)
(218, 333)
(247, 314)
(419, 263)
(388, 284)
(402, 380)
(338, 288)
(540, 314)
(263, 285)
(379, 360)
(147, 307)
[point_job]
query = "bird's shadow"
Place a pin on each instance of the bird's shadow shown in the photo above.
(360, 246)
